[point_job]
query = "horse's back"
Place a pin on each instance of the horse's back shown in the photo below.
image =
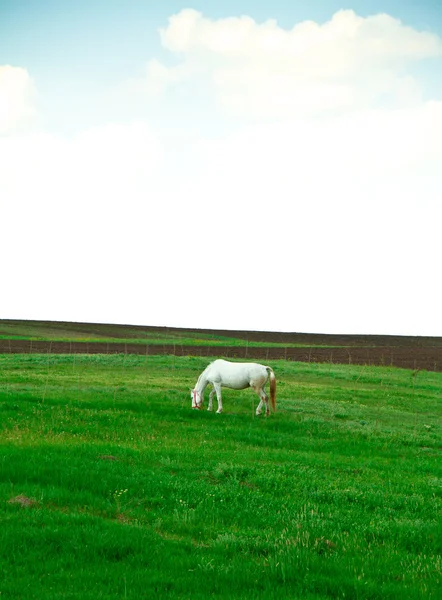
(236, 375)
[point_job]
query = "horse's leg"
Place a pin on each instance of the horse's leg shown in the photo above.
(211, 399)
(217, 388)
(263, 400)
(266, 400)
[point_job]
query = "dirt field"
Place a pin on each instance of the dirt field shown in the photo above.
(397, 351)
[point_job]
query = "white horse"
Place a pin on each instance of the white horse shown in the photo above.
(236, 376)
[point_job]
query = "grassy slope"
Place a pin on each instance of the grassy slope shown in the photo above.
(58, 331)
(111, 487)
(86, 332)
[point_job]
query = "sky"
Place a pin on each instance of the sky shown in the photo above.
(236, 165)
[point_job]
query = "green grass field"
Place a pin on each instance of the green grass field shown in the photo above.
(112, 487)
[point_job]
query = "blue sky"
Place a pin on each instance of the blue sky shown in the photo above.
(229, 172)
(93, 45)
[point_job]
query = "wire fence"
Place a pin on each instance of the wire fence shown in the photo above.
(407, 357)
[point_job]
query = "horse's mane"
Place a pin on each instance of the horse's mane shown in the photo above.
(204, 372)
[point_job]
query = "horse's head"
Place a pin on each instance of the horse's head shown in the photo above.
(196, 399)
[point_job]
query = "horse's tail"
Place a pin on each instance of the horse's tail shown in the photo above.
(272, 387)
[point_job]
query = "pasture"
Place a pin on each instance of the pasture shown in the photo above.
(112, 487)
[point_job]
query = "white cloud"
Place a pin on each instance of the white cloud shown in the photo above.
(377, 37)
(82, 217)
(334, 100)
(78, 205)
(104, 163)
(357, 147)
(160, 77)
(262, 70)
(17, 99)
